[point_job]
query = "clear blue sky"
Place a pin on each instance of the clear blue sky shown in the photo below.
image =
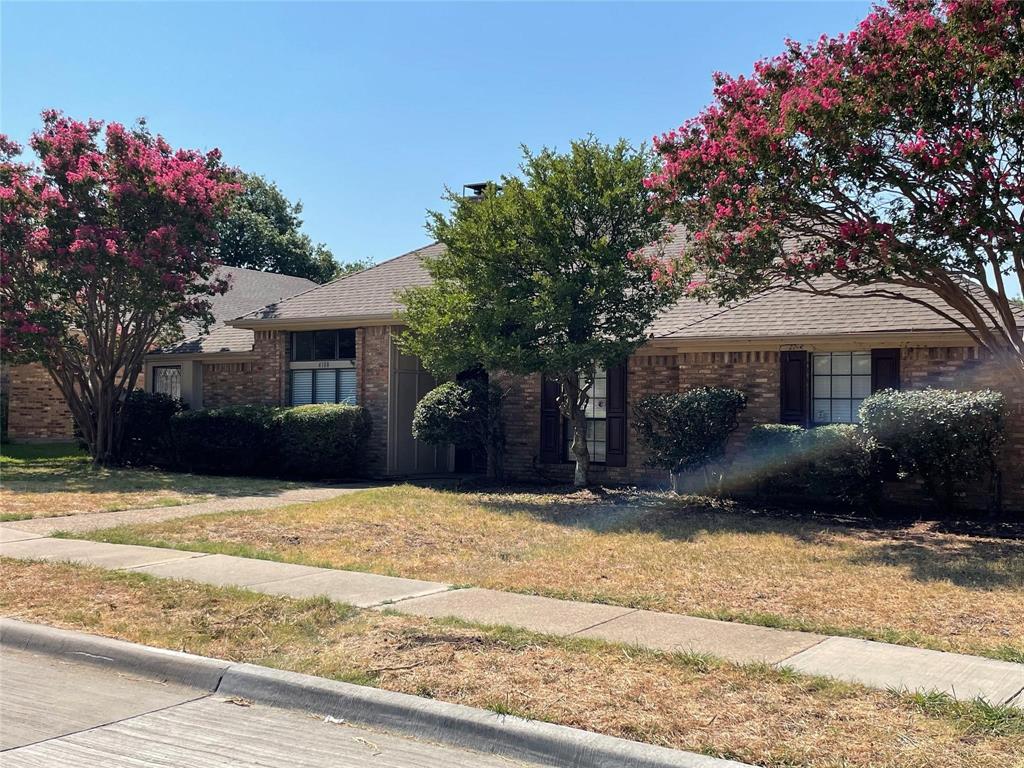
(366, 111)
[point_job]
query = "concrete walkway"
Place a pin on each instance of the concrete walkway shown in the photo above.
(94, 521)
(878, 665)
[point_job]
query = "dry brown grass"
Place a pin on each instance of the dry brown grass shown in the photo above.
(749, 713)
(908, 585)
(58, 479)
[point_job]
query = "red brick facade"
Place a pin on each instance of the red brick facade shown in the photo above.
(36, 408)
(263, 381)
(373, 373)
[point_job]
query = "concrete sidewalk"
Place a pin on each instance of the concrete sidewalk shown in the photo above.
(93, 521)
(878, 665)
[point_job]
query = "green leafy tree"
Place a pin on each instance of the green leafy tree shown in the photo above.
(263, 231)
(541, 274)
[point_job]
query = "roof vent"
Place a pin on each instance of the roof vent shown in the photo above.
(476, 191)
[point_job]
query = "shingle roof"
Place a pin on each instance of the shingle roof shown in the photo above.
(249, 289)
(366, 294)
(773, 313)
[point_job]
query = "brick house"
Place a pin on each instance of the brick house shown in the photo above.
(36, 408)
(800, 359)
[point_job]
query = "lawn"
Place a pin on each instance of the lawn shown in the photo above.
(751, 713)
(46, 480)
(912, 585)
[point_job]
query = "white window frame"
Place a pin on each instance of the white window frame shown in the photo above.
(840, 381)
(597, 417)
(157, 373)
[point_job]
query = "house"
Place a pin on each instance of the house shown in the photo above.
(802, 359)
(198, 369)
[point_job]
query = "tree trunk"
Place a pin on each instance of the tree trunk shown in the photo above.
(581, 477)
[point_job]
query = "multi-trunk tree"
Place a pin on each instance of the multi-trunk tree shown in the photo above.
(542, 275)
(105, 247)
(890, 159)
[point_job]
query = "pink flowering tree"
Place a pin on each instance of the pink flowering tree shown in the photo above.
(105, 247)
(889, 159)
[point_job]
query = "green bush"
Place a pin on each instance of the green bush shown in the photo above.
(322, 441)
(946, 438)
(466, 414)
(237, 440)
(687, 431)
(146, 428)
(833, 462)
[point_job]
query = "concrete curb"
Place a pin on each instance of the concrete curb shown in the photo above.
(451, 724)
(173, 666)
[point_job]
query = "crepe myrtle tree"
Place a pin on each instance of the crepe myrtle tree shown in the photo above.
(540, 275)
(889, 158)
(104, 247)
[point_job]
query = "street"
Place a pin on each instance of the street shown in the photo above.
(59, 713)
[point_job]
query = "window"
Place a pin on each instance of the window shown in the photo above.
(167, 380)
(597, 418)
(841, 381)
(328, 385)
(308, 346)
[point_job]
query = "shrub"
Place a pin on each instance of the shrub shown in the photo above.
(832, 461)
(322, 441)
(146, 428)
(947, 438)
(466, 414)
(687, 431)
(238, 440)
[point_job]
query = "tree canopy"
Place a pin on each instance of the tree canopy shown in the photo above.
(540, 274)
(263, 230)
(891, 157)
(105, 246)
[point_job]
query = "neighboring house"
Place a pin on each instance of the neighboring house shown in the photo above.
(800, 359)
(197, 366)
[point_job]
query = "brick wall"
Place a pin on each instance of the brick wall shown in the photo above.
(373, 370)
(263, 381)
(36, 408)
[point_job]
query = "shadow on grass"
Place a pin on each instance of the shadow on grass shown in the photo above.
(927, 550)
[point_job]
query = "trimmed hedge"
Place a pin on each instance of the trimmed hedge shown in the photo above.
(466, 414)
(308, 441)
(322, 440)
(146, 428)
(832, 462)
(946, 438)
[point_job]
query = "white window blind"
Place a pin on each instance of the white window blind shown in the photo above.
(302, 387)
(326, 386)
(323, 386)
(347, 386)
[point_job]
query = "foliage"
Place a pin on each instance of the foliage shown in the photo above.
(322, 441)
(886, 159)
(463, 413)
(310, 441)
(104, 248)
(263, 231)
(833, 461)
(237, 440)
(688, 430)
(944, 437)
(539, 274)
(146, 435)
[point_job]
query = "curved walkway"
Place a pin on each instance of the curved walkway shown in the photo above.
(878, 665)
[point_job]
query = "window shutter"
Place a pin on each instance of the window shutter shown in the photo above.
(885, 369)
(615, 452)
(550, 422)
(793, 401)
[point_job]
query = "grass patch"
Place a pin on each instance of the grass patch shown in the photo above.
(53, 479)
(976, 716)
(751, 713)
(910, 586)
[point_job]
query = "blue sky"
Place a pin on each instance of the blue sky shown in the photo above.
(366, 111)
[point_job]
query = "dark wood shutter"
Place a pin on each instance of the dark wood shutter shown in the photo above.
(550, 422)
(615, 449)
(793, 401)
(885, 369)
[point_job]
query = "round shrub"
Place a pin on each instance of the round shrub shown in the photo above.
(463, 413)
(322, 441)
(947, 438)
(687, 431)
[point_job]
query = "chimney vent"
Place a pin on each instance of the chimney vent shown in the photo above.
(476, 190)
